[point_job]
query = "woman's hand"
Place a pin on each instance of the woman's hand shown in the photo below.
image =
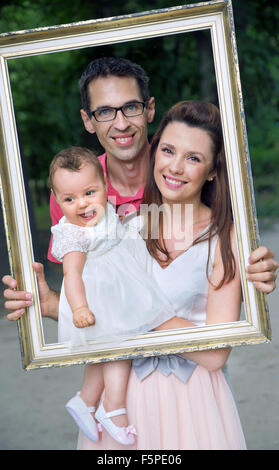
(262, 269)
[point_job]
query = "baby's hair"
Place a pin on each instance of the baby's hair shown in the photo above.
(72, 159)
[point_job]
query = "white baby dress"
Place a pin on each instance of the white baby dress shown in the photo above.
(125, 300)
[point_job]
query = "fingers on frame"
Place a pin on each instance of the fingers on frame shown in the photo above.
(267, 276)
(267, 265)
(15, 315)
(9, 281)
(267, 288)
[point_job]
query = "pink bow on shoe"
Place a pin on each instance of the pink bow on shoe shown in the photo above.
(131, 430)
(122, 434)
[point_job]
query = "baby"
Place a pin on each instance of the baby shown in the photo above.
(106, 293)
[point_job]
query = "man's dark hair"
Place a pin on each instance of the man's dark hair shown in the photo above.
(112, 66)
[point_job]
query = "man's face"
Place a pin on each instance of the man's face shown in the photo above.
(123, 138)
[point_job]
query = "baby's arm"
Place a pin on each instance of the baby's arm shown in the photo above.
(73, 263)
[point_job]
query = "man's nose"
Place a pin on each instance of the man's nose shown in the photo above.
(120, 121)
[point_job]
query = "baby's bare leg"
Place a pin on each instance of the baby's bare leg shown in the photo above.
(116, 376)
(93, 384)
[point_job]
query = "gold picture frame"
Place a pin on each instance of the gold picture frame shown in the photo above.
(217, 18)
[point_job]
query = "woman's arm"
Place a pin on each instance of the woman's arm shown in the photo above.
(73, 264)
(223, 305)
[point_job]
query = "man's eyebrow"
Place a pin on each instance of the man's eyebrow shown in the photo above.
(124, 104)
(133, 101)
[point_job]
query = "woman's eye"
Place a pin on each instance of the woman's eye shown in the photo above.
(167, 150)
(193, 158)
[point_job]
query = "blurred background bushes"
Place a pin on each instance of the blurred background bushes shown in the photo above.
(47, 101)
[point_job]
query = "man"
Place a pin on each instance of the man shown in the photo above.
(106, 83)
(117, 106)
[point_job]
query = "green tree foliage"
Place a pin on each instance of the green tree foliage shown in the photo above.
(47, 101)
(258, 44)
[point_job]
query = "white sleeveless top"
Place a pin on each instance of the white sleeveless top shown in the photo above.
(185, 284)
(185, 281)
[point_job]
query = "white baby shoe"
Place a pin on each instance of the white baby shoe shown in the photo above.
(83, 417)
(123, 435)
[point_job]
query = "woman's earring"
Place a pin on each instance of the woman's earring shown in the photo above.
(211, 179)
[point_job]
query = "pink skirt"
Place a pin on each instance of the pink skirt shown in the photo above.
(171, 415)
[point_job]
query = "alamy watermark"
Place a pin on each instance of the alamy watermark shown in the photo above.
(177, 223)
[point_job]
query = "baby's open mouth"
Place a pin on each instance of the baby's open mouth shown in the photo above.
(88, 215)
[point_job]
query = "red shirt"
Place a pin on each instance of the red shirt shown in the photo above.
(123, 204)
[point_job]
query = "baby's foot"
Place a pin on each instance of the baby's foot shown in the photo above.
(123, 434)
(83, 317)
(121, 420)
(82, 414)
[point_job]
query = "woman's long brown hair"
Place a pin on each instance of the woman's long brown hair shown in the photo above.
(215, 194)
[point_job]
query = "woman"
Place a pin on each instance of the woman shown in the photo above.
(196, 409)
(161, 405)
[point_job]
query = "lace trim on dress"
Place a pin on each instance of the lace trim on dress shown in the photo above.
(96, 239)
(67, 238)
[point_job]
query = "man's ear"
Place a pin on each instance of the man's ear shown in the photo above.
(151, 110)
(88, 123)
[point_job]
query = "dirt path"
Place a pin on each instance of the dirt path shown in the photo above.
(32, 403)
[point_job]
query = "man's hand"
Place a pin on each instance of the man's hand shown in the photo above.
(262, 269)
(17, 301)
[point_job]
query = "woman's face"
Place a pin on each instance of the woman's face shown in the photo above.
(183, 163)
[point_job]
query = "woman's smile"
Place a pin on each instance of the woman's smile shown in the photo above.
(173, 183)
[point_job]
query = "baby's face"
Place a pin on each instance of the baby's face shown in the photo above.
(81, 195)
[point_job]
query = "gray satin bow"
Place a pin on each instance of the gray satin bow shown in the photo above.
(175, 364)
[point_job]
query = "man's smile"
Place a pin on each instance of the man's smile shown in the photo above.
(123, 140)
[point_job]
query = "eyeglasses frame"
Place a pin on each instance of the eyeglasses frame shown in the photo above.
(120, 108)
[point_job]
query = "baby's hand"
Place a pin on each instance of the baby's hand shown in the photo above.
(83, 317)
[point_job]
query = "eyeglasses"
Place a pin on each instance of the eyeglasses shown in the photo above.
(107, 113)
